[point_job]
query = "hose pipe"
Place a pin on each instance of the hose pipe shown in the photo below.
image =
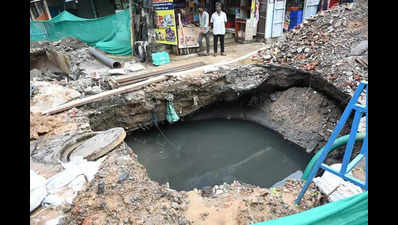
(336, 144)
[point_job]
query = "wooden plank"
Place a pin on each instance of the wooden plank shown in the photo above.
(97, 97)
(362, 62)
(113, 83)
(153, 73)
(133, 81)
(174, 69)
(137, 77)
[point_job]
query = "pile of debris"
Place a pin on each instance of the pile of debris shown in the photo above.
(49, 125)
(74, 51)
(122, 193)
(333, 43)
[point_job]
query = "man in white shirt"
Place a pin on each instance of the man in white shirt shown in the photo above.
(218, 19)
(204, 30)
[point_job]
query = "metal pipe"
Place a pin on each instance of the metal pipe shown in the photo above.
(104, 59)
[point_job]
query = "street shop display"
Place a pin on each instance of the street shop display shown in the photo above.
(188, 33)
(165, 31)
(246, 20)
(188, 37)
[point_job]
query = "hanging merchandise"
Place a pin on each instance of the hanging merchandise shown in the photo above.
(165, 32)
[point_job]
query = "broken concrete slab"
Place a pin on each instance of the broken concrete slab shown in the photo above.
(133, 67)
(335, 187)
(359, 48)
(48, 95)
(99, 145)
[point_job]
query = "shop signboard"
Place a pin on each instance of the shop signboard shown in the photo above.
(252, 8)
(165, 31)
(188, 37)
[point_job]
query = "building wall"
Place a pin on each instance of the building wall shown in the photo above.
(55, 7)
(85, 9)
(104, 7)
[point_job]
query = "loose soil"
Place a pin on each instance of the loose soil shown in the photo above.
(130, 197)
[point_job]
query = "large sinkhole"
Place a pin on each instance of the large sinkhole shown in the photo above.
(195, 154)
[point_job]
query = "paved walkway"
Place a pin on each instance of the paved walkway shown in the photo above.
(233, 50)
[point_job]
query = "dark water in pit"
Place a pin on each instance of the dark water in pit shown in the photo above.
(209, 152)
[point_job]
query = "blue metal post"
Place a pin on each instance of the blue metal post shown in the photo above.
(352, 106)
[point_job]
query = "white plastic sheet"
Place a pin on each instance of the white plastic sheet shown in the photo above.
(63, 187)
(37, 190)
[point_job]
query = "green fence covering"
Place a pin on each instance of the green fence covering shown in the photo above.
(110, 34)
(348, 211)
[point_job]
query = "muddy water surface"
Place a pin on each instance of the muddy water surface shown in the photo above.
(201, 153)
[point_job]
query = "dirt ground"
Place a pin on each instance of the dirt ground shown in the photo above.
(240, 204)
(128, 196)
(41, 126)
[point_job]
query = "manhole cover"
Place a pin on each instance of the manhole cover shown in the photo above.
(100, 144)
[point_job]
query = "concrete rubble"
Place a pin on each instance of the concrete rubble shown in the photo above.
(48, 95)
(333, 43)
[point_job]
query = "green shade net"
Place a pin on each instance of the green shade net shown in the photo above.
(110, 34)
(348, 211)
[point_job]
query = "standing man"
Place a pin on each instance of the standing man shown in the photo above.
(204, 30)
(218, 19)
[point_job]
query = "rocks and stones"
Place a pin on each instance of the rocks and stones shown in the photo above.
(72, 58)
(101, 187)
(175, 205)
(35, 74)
(123, 176)
(359, 48)
(133, 67)
(48, 95)
(299, 50)
(325, 44)
(267, 57)
(207, 191)
(92, 90)
(100, 144)
(295, 114)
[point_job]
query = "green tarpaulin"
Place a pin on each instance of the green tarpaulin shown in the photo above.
(110, 34)
(348, 211)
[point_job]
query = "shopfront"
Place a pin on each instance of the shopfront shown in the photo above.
(177, 22)
(278, 16)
